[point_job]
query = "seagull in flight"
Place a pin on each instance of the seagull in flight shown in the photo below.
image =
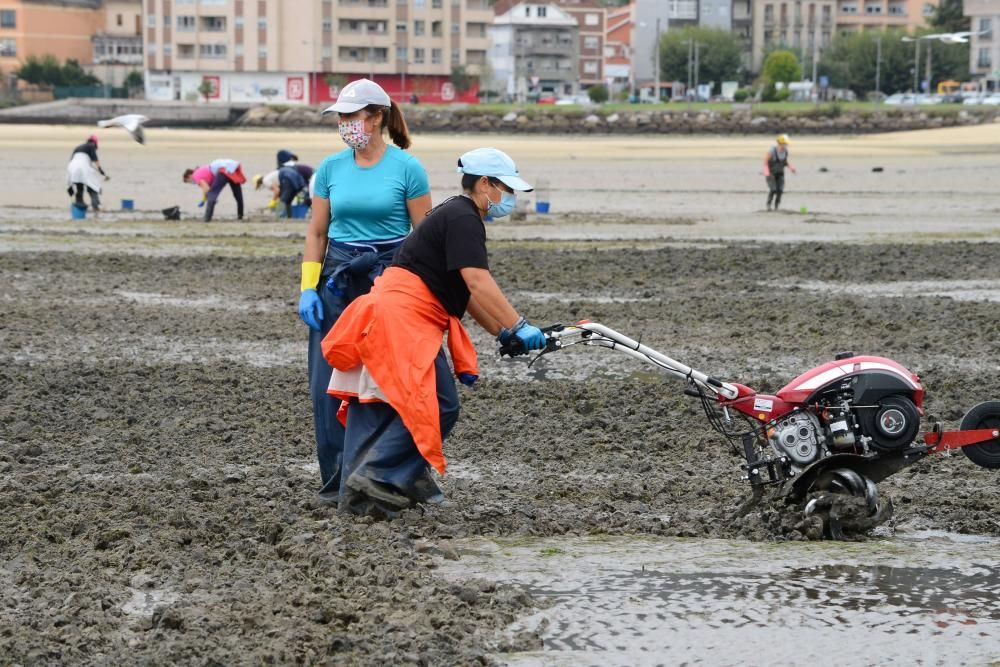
(132, 122)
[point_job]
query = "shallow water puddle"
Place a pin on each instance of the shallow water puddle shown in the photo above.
(927, 599)
(960, 290)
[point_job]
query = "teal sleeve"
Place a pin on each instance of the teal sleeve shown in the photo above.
(321, 188)
(417, 184)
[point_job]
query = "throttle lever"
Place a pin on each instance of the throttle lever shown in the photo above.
(515, 347)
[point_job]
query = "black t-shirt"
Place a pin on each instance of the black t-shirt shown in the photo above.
(89, 148)
(451, 237)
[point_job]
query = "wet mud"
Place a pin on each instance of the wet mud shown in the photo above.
(157, 475)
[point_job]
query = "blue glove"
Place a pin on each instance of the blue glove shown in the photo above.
(201, 204)
(311, 309)
(468, 379)
(531, 336)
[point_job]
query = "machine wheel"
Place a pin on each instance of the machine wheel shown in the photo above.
(984, 415)
(840, 518)
(893, 424)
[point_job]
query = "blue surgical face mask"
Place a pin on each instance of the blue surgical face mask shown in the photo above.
(503, 207)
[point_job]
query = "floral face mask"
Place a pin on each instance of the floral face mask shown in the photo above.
(353, 133)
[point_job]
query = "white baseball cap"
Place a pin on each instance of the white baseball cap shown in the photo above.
(495, 164)
(357, 95)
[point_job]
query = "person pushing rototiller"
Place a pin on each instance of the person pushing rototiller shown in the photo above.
(774, 170)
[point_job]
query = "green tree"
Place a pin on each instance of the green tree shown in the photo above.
(47, 70)
(134, 79)
(206, 88)
(598, 94)
(850, 62)
(949, 17)
(461, 79)
(721, 55)
(781, 66)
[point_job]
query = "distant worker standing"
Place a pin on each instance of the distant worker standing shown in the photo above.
(84, 171)
(211, 178)
(774, 170)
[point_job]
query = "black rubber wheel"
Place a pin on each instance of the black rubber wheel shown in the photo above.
(984, 415)
(893, 424)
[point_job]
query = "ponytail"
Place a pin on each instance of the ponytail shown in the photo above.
(396, 124)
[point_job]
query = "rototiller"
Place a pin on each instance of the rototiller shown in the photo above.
(834, 431)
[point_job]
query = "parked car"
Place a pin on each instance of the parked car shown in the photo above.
(899, 99)
(973, 98)
(574, 99)
(546, 99)
(991, 100)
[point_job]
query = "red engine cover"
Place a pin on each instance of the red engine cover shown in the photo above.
(799, 389)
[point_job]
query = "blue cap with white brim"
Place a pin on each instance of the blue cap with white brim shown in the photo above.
(494, 164)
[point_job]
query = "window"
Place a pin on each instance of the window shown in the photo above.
(873, 9)
(456, 56)
(400, 26)
(187, 50)
(591, 42)
(118, 20)
(8, 47)
(168, 49)
(768, 36)
(8, 18)
(212, 50)
(985, 29)
(436, 29)
(825, 41)
(826, 13)
(541, 12)
(262, 23)
(238, 50)
(327, 52)
(848, 9)
(418, 56)
(327, 25)
(929, 10)
(590, 67)
(769, 13)
(436, 4)
(455, 28)
(419, 3)
(418, 28)
(185, 23)
(238, 22)
(151, 49)
(213, 23)
(984, 60)
(166, 20)
(150, 20)
(897, 10)
(401, 54)
(262, 51)
(435, 56)
(591, 19)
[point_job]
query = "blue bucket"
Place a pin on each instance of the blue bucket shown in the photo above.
(541, 207)
(299, 211)
(78, 212)
(128, 205)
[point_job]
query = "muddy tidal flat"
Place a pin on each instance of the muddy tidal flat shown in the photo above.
(157, 468)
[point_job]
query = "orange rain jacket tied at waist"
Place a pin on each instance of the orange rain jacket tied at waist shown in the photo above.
(392, 335)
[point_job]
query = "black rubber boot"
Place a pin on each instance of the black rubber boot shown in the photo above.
(209, 210)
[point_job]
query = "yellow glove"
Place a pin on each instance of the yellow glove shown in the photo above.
(272, 204)
(310, 275)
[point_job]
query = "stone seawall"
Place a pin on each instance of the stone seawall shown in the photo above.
(549, 120)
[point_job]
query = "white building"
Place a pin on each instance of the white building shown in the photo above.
(536, 51)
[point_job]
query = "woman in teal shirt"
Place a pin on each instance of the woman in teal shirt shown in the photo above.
(367, 199)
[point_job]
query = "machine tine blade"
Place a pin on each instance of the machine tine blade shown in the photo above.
(871, 496)
(852, 480)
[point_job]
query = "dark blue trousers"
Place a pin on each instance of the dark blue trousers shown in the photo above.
(377, 444)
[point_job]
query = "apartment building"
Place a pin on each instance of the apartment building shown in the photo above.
(590, 17)
(984, 43)
(807, 25)
(43, 27)
(855, 15)
(535, 52)
(117, 47)
(303, 51)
